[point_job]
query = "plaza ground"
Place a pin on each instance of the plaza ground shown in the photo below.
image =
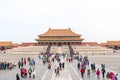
(69, 73)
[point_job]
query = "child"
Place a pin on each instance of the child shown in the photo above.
(88, 72)
(98, 73)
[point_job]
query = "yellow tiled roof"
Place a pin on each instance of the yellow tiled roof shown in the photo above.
(6, 43)
(59, 32)
(113, 42)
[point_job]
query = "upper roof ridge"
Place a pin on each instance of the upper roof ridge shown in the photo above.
(59, 32)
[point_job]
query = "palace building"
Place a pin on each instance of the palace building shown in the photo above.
(59, 37)
(113, 44)
(7, 45)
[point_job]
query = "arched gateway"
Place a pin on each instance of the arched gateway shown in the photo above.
(59, 37)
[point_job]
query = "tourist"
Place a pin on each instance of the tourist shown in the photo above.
(10, 66)
(33, 61)
(19, 64)
(83, 65)
(60, 66)
(107, 75)
(78, 65)
(63, 65)
(98, 73)
(88, 72)
(111, 74)
(17, 77)
(21, 71)
(39, 56)
(5, 65)
(25, 73)
(115, 77)
(29, 72)
(69, 59)
(82, 70)
(57, 69)
(24, 61)
(33, 72)
(49, 65)
(103, 72)
(28, 59)
(53, 59)
(93, 67)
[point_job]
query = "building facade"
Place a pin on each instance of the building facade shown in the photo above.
(25, 44)
(113, 44)
(59, 37)
(6, 45)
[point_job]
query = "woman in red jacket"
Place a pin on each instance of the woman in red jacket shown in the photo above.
(82, 70)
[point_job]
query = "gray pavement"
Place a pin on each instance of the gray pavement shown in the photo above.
(42, 73)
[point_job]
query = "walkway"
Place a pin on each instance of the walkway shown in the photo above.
(42, 73)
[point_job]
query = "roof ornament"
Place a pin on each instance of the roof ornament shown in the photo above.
(49, 28)
(69, 28)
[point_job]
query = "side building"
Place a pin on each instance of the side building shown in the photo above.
(113, 44)
(7, 45)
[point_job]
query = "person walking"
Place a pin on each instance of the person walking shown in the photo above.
(103, 72)
(29, 72)
(24, 61)
(25, 73)
(57, 71)
(33, 72)
(98, 73)
(82, 70)
(63, 65)
(17, 77)
(60, 66)
(19, 64)
(49, 65)
(78, 65)
(108, 74)
(88, 72)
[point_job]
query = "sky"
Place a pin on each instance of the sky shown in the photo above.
(23, 20)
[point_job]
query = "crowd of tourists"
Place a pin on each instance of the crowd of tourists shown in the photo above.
(7, 65)
(83, 65)
(83, 62)
(24, 71)
(56, 59)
